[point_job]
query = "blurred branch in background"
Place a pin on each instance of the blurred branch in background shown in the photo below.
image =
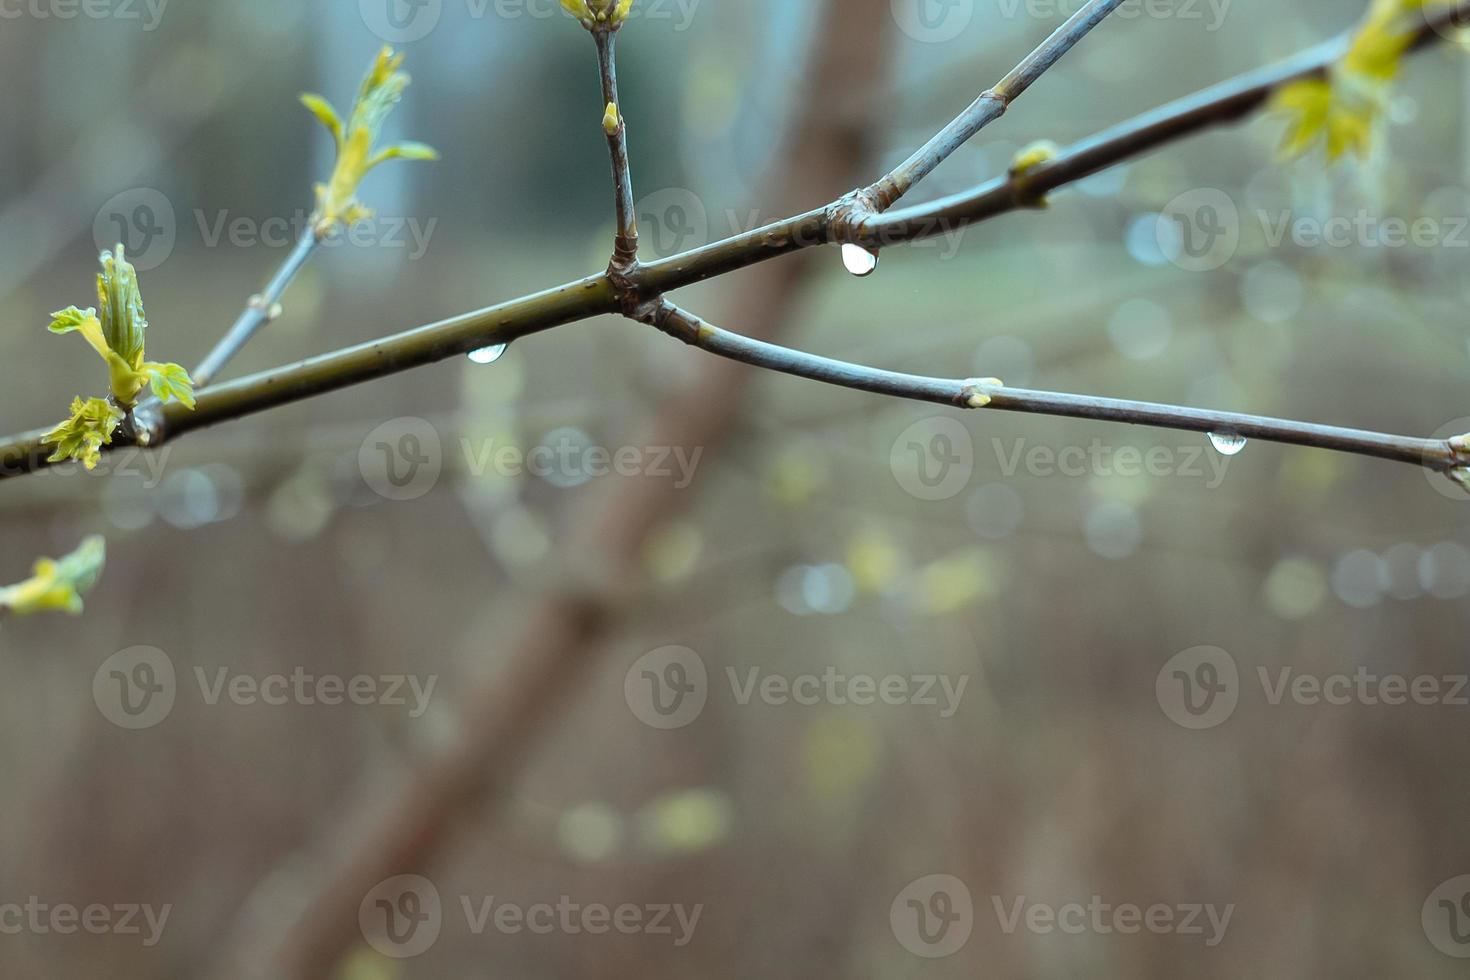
(827, 144)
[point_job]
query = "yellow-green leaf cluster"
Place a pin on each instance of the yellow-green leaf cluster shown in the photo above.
(1344, 109)
(58, 585)
(336, 201)
(117, 334)
(599, 14)
(81, 437)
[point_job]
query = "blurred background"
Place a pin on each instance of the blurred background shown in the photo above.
(1078, 633)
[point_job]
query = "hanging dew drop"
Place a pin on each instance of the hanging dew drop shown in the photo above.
(1227, 443)
(488, 355)
(858, 260)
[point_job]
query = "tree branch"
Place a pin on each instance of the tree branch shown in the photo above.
(260, 311)
(1437, 454)
(625, 252)
(990, 106)
(500, 324)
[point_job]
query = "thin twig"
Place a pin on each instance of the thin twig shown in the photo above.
(990, 106)
(261, 310)
(625, 253)
(1436, 454)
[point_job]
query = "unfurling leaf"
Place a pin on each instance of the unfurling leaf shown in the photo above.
(118, 335)
(60, 584)
(170, 382)
(1345, 109)
(599, 14)
(336, 201)
(81, 437)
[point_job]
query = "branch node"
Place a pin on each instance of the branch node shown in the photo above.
(848, 217)
(978, 392)
(144, 424)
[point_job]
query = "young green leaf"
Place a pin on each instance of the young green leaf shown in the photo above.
(336, 201)
(170, 382)
(81, 437)
(117, 334)
(58, 585)
(1345, 110)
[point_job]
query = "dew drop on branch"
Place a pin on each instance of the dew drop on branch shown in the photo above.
(1227, 443)
(858, 260)
(488, 355)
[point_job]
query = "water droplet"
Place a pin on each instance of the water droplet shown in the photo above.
(1228, 443)
(488, 355)
(859, 261)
